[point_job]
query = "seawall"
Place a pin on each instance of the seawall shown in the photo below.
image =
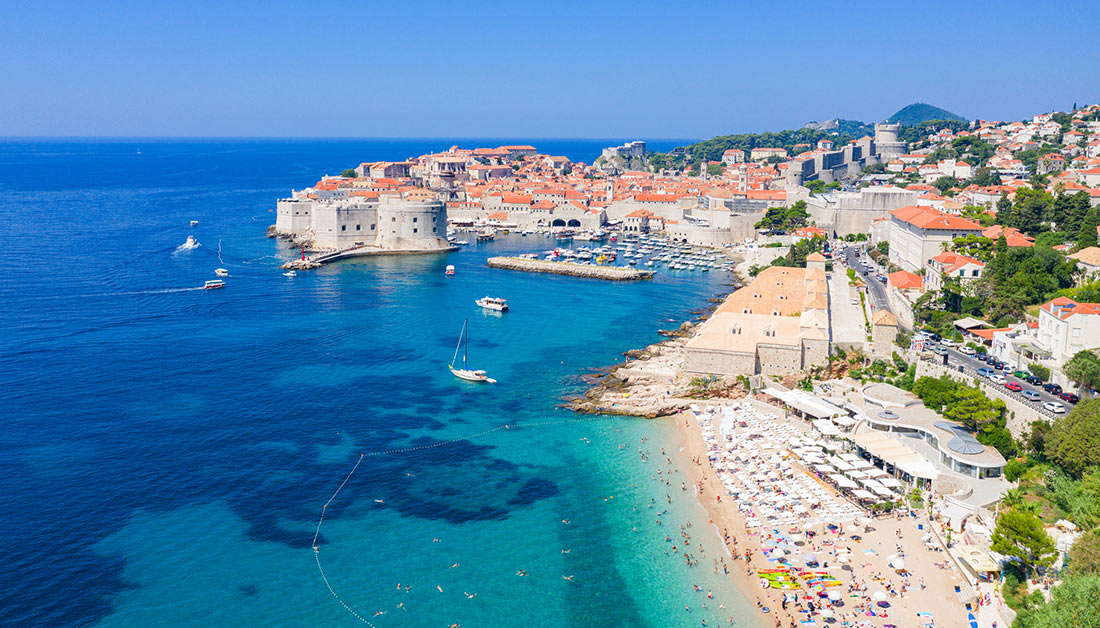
(612, 273)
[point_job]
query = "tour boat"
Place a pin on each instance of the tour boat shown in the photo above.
(465, 373)
(212, 284)
(450, 270)
(221, 272)
(493, 303)
(486, 234)
(290, 273)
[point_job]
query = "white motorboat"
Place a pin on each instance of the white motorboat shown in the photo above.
(188, 244)
(221, 272)
(213, 284)
(466, 373)
(290, 273)
(493, 303)
(450, 270)
(194, 223)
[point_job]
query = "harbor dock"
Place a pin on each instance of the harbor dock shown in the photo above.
(612, 273)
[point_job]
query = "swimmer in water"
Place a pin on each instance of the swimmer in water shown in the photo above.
(440, 588)
(569, 578)
(469, 595)
(454, 565)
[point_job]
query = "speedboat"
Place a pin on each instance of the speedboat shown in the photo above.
(213, 284)
(290, 273)
(194, 223)
(462, 242)
(188, 244)
(450, 270)
(221, 272)
(493, 303)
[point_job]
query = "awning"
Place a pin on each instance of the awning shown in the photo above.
(805, 402)
(862, 494)
(842, 481)
(826, 427)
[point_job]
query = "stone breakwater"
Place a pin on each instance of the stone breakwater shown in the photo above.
(612, 273)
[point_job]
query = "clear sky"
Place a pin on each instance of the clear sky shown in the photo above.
(529, 69)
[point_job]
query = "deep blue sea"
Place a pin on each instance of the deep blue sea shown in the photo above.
(166, 451)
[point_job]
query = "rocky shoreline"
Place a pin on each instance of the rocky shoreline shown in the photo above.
(651, 382)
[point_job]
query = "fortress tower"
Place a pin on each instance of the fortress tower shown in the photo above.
(887, 145)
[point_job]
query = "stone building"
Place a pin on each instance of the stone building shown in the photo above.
(388, 221)
(776, 325)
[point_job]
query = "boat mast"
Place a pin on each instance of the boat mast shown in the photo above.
(466, 346)
(459, 346)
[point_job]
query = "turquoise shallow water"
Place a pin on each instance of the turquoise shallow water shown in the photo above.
(170, 449)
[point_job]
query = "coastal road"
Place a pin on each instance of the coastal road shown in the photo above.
(971, 365)
(876, 290)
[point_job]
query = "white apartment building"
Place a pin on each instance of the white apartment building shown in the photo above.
(917, 234)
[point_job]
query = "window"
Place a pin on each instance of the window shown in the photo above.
(735, 330)
(343, 227)
(415, 229)
(372, 227)
(414, 218)
(393, 219)
(357, 227)
(1076, 333)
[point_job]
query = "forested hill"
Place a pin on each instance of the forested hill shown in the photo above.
(713, 148)
(914, 114)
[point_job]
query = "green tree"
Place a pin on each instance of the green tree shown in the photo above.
(1084, 556)
(1040, 371)
(1086, 235)
(1021, 534)
(1084, 370)
(1073, 604)
(349, 173)
(1073, 441)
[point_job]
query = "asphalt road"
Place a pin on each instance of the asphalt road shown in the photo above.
(876, 290)
(971, 366)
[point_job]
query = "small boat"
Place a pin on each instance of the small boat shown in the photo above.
(493, 303)
(221, 272)
(213, 284)
(462, 242)
(190, 243)
(486, 235)
(450, 270)
(290, 273)
(194, 223)
(465, 373)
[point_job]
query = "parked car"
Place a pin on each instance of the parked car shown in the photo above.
(983, 356)
(1031, 395)
(947, 342)
(1052, 388)
(996, 364)
(1034, 380)
(985, 371)
(1069, 397)
(1013, 386)
(1054, 407)
(997, 378)
(934, 336)
(1022, 374)
(965, 350)
(938, 350)
(855, 301)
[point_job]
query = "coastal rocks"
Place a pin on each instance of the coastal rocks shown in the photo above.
(685, 330)
(300, 265)
(612, 273)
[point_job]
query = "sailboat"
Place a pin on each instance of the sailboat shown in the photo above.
(466, 373)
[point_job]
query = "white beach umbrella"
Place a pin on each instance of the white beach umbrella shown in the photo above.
(878, 596)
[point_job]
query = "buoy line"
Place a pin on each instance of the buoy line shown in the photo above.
(324, 508)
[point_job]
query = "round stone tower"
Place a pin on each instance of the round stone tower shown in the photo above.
(412, 225)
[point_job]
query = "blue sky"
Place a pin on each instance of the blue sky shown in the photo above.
(528, 69)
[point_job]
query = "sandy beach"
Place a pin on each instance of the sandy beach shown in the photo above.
(925, 597)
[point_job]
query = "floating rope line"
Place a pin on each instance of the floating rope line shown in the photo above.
(324, 508)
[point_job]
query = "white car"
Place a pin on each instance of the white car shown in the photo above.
(997, 378)
(947, 342)
(965, 350)
(855, 301)
(1054, 406)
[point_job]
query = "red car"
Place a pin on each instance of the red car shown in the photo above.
(1013, 386)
